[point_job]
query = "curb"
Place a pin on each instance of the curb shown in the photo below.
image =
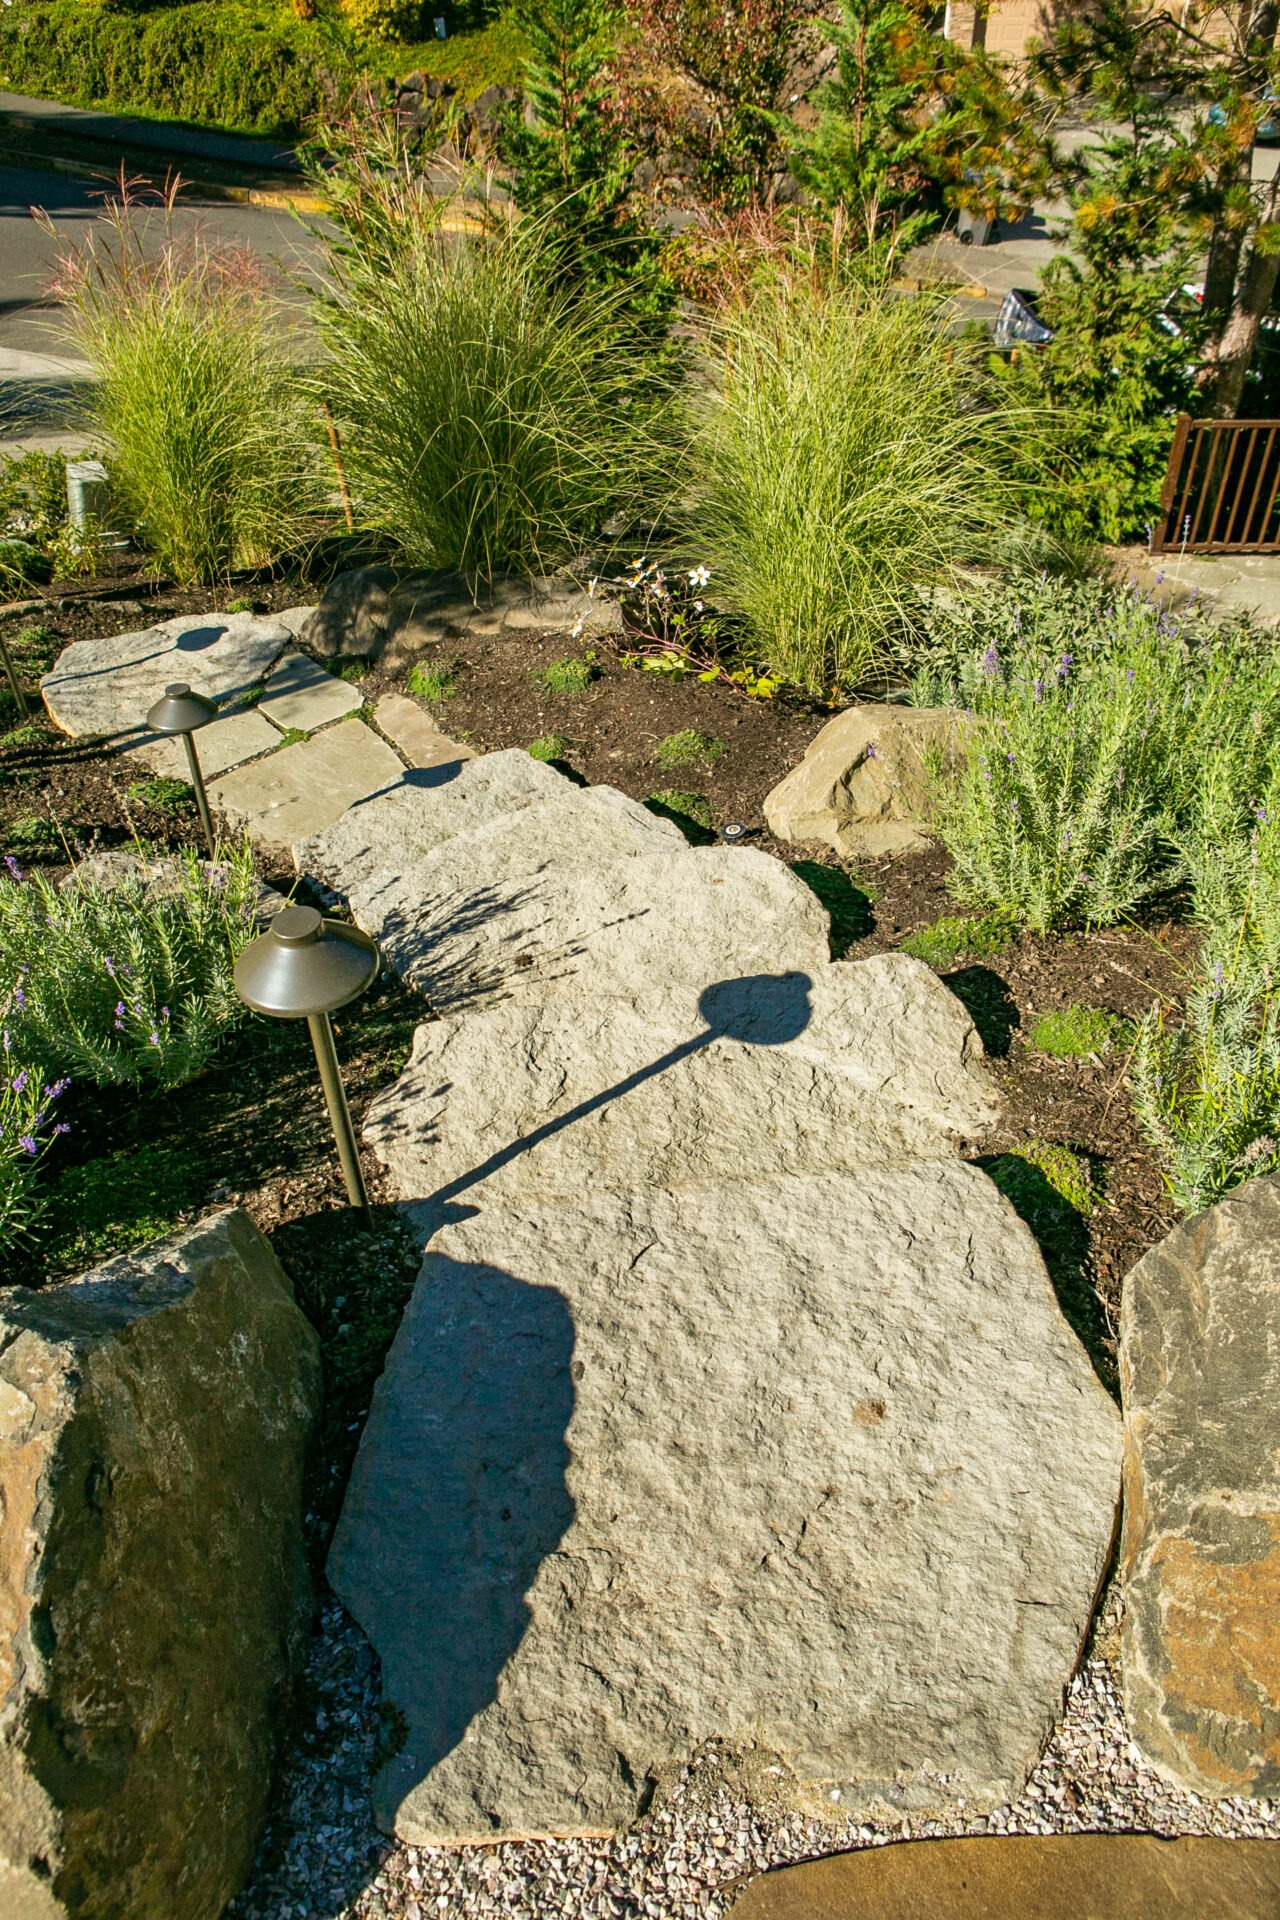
(282, 200)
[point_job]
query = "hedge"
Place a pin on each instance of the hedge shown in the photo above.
(245, 68)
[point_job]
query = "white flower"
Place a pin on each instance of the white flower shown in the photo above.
(699, 577)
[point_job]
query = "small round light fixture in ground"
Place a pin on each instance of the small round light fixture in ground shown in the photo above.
(305, 967)
(183, 712)
(733, 831)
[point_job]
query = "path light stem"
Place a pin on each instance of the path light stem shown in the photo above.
(202, 798)
(335, 1097)
(15, 685)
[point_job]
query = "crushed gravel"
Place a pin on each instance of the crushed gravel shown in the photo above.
(722, 1819)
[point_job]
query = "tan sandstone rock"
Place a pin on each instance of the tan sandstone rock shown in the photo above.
(1200, 1375)
(861, 786)
(153, 1586)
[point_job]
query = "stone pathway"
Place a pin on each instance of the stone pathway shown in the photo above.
(263, 778)
(732, 1409)
(731, 1402)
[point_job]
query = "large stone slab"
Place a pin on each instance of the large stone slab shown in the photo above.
(104, 687)
(374, 841)
(302, 789)
(301, 695)
(813, 1462)
(1200, 1376)
(154, 1596)
(861, 787)
(873, 1061)
(588, 894)
(1079, 1876)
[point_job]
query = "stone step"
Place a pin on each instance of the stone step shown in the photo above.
(103, 688)
(814, 1462)
(873, 1061)
(365, 850)
(1079, 1876)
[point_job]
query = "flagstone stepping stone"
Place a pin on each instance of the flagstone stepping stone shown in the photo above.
(866, 1062)
(1079, 1876)
(1200, 1378)
(301, 695)
(415, 734)
(367, 846)
(301, 789)
(226, 742)
(814, 1462)
(587, 894)
(103, 688)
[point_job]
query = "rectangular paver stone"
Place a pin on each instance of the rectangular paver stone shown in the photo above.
(301, 694)
(416, 733)
(303, 789)
(226, 742)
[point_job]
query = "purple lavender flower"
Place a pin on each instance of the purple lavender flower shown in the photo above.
(870, 755)
(119, 1009)
(27, 1144)
(1039, 688)
(63, 1126)
(110, 966)
(13, 866)
(1065, 665)
(991, 661)
(19, 999)
(19, 1081)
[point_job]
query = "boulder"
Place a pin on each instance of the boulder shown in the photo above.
(405, 821)
(813, 1462)
(103, 688)
(154, 1594)
(350, 621)
(873, 1061)
(861, 787)
(1200, 1377)
(587, 891)
(426, 611)
(1078, 1876)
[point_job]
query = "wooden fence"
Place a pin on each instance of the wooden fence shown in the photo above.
(1220, 493)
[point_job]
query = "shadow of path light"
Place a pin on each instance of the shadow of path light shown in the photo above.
(758, 1010)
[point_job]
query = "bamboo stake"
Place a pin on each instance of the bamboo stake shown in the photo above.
(336, 445)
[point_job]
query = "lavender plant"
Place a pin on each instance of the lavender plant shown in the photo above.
(129, 983)
(1084, 769)
(27, 1128)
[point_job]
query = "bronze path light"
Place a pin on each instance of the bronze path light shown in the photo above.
(305, 967)
(182, 712)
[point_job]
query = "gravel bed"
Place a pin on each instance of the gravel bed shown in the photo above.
(721, 1821)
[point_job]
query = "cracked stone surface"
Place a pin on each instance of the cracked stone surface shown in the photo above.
(103, 688)
(863, 1062)
(814, 1462)
(1200, 1377)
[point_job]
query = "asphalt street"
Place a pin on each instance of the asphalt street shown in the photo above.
(38, 364)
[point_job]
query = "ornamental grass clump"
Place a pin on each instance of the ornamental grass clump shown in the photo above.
(492, 416)
(841, 460)
(126, 984)
(194, 404)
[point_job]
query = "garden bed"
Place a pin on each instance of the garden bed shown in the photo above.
(59, 795)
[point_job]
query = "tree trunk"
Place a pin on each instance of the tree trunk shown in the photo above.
(1223, 378)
